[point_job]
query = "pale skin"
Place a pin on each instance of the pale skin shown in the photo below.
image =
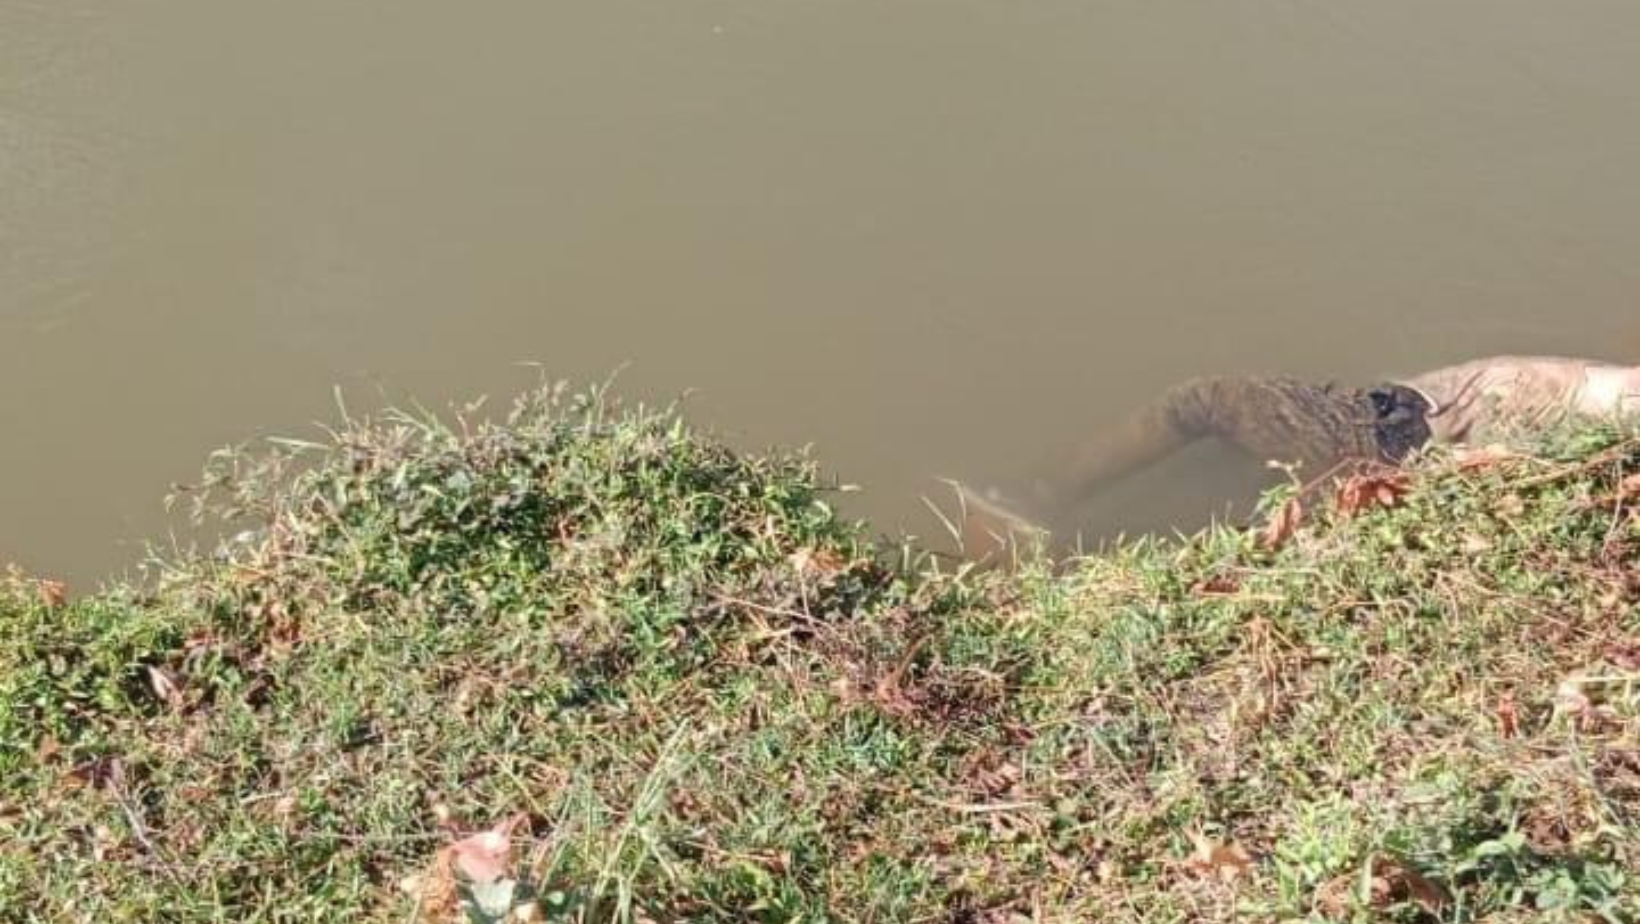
(1499, 394)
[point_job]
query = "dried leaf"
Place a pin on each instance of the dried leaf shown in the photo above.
(1388, 882)
(889, 692)
(1407, 883)
(1629, 487)
(845, 690)
(1228, 861)
(165, 686)
(284, 807)
(96, 773)
(821, 563)
(1338, 896)
(1624, 652)
(434, 891)
(889, 695)
(53, 594)
(1475, 458)
(991, 775)
(1508, 715)
(1283, 523)
(1363, 491)
(1217, 586)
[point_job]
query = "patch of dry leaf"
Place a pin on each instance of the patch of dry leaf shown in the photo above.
(1377, 488)
(1387, 883)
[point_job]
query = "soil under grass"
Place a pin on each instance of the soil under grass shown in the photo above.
(700, 695)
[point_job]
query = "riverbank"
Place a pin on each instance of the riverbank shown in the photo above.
(688, 691)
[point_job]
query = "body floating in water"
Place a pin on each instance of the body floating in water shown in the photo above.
(1321, 426)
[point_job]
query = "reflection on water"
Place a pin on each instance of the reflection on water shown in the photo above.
(929, 237)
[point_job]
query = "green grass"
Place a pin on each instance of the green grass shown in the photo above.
(712, 699)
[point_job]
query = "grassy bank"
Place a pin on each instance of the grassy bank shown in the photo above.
(688, 691)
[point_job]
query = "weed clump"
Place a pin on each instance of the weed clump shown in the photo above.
(589, 664)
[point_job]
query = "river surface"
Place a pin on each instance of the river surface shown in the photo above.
(930, 237)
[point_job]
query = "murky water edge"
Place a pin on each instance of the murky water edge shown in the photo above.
(929, 237)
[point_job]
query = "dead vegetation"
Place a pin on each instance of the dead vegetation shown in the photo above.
(588, 665)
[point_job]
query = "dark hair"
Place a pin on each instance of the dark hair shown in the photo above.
(1401, 420)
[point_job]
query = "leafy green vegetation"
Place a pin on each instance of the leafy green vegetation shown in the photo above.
(675, 686)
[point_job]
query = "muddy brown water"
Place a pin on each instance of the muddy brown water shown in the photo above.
(927, 237)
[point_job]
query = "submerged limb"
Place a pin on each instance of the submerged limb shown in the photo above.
(989, 531)
(1267, 418)
(1278, 418)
